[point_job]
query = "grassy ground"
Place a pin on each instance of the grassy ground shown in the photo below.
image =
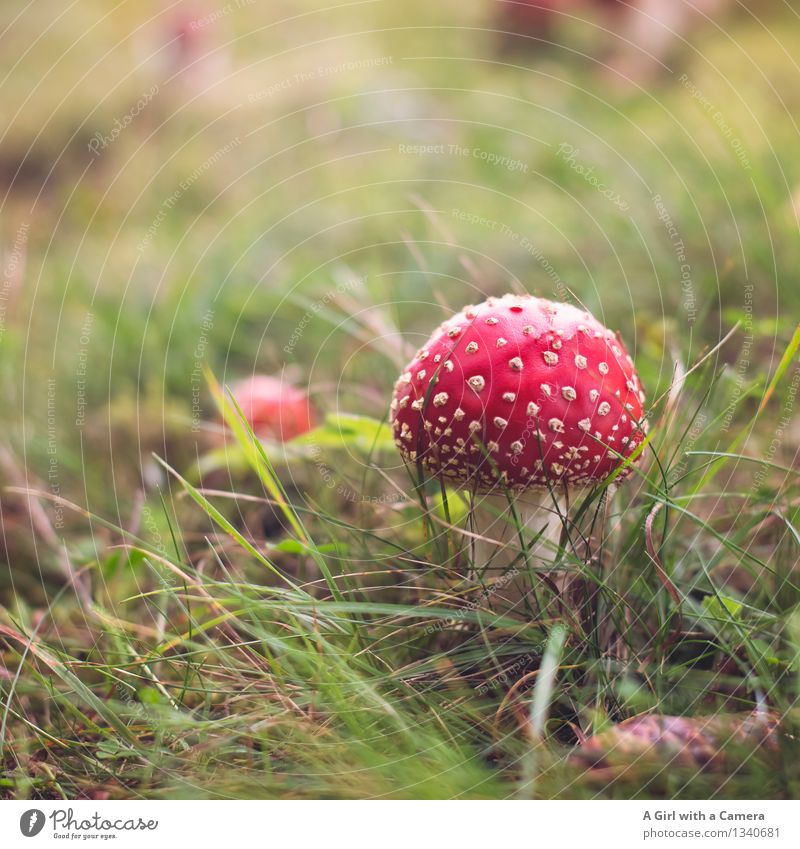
(188, 616)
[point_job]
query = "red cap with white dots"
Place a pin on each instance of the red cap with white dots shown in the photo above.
(521, 391)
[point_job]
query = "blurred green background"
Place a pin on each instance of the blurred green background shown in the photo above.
(278, 187)
(268, 154)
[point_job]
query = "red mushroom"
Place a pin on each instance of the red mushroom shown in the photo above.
(537, 19)
(273, 409)
(518, 395)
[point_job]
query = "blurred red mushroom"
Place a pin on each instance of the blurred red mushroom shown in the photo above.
(640, 35)
(273, 408)
(537, 19)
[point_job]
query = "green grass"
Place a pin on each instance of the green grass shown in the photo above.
(296, 621)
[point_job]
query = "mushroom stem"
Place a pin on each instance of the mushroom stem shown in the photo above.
(499, 559)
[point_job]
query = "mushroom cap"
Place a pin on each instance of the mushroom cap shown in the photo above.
(520, 391)
(273, 408)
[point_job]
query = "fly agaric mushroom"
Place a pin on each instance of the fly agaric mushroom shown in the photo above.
(273, 409)
(519, 397)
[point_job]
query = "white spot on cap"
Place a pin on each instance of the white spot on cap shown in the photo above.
(580, 361)
(533, 409)
(501, 341)
(604, 409)
(516, 364)
(516, 447)
(477, 383)
(500, 422)
(556, 343)
(556, 425)
(453, 332)
(448, 365)
(593, 394)
(569, 393)
(550, 358)
(474, 427)
(585, 425)
(459, 414)
(417, 405)
(421, 374)
(528, 329)
(492, 446)
(546, 389)
(509, 396)
(471, 348)
(492, 320)
(440, 399)
(603, 368)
